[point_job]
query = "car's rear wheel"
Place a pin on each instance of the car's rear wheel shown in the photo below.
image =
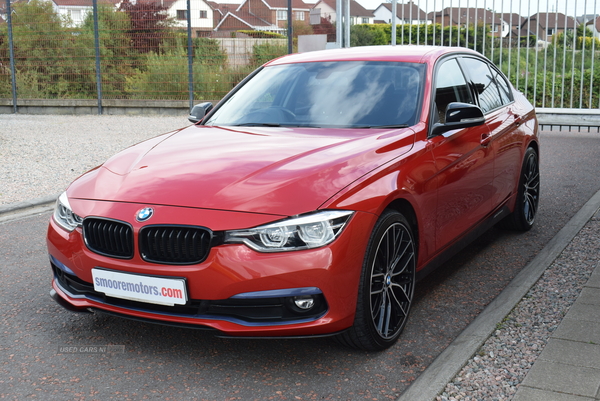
(528, 195)
(386, 285)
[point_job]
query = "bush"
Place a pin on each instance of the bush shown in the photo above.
(263, 34)
(167, 77)
(266, 52)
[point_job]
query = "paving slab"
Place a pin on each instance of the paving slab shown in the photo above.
(572, 353)
(585, 311)
(589, 296)
(578, 330)
(536, 394)
(594, 280)
(563, 378)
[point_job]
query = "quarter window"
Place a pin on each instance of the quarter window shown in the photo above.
(505, 92)
(483, 82)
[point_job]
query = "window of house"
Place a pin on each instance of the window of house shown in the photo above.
(365, 20)
(75, 15)
(281, 14)
(494, 28)
(300, 15)
(203, 14)
(550, 31)
(181, 14)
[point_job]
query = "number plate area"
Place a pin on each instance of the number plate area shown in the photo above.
(135, 287)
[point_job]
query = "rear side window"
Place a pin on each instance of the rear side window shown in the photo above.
(482, 80)
(450, 86)
(505, 92)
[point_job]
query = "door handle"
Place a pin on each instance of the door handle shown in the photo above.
(518, 120)
(486, 139)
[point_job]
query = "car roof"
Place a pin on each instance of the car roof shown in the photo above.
(409, 53)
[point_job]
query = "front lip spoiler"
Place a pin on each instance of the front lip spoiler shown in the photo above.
(216, 333)
(59, 300)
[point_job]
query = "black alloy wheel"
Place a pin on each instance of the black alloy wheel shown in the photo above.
(528, 195)
(386, 287)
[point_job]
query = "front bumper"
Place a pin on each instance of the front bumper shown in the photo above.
(218, 287)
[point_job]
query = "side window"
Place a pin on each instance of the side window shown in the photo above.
(505, 92)
(450, 86)
(483, 81)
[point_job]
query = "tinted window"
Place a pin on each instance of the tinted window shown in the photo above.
(338, 94)
(483, 81)
(450, 86)
(504, 87)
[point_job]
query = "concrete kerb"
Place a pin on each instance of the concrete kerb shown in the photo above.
(443, 369)
(26, 208)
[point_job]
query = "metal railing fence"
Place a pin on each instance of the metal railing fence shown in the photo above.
(549, 49)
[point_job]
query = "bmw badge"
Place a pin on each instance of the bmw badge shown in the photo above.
(144, 214)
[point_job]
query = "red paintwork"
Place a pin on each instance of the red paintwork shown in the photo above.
(225, 178)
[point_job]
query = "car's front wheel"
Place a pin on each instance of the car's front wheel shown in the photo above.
(386, 285)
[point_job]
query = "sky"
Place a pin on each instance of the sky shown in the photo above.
(524, 7)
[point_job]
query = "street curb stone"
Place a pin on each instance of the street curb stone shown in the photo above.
(440, 372)
(20, 206)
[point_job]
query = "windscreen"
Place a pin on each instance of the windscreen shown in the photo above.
(327, 94)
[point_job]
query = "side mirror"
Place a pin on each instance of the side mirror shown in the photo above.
(459, 115)
(199, 111)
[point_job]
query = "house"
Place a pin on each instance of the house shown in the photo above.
(408, 13)
(263, 15)
(358, 14)
(77, 10)
(453, 16)
(201, 13)
(545, 25)
(594, 26)
(514, 20)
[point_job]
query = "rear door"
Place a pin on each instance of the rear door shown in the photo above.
(496, 101)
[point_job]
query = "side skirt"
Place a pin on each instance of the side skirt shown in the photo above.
(463, 242)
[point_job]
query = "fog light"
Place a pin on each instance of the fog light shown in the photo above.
(305, 302)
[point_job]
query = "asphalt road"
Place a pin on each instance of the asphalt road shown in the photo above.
(49, 353)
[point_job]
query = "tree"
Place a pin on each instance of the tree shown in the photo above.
(44, 50)
(117, 59)
(325, 28)
(150, 25)
(582, 36)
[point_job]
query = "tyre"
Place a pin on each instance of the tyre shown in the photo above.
(386, 285)
(528, 195)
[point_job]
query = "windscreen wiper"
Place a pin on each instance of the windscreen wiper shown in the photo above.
(257, 125)
(389, 126)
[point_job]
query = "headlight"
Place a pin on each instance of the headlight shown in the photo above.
(304, 232)
(64, 216)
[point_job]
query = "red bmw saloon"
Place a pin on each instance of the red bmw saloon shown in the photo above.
(308, 202)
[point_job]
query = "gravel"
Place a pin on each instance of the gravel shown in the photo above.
(41, 155)
(500, 365)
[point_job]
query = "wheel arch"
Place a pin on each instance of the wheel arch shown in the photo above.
(533, 144)
(403, 206)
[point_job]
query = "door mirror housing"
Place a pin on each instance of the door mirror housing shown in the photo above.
(459, 115)
(199, 111)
